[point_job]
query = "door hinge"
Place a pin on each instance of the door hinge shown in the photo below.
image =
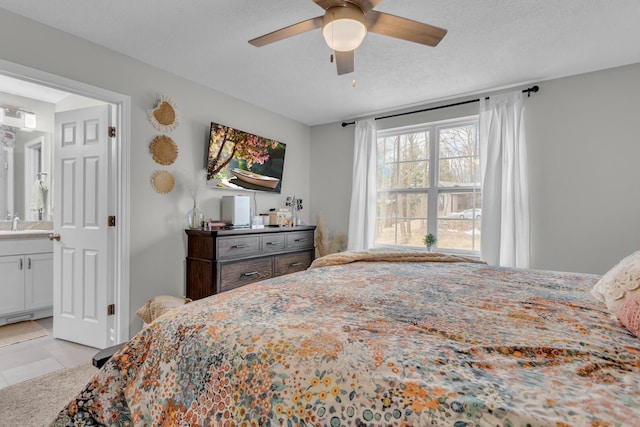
(111, 221)
(111, 309)
(112, 131)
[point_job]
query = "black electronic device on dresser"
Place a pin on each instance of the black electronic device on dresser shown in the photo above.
(221, 260)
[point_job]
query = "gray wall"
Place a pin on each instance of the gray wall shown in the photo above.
(157, 241)
(583, 147)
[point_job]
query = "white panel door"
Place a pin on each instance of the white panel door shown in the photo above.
(81, 277)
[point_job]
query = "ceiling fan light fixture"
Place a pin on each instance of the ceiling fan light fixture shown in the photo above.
(344, 28)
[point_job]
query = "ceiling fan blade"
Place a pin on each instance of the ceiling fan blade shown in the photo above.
(365, 5)
(345, 62)
(291, 30)
(326, 4)
(403, 28)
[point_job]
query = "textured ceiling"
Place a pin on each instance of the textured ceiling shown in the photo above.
(491, 44)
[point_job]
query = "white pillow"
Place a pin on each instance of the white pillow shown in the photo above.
(619, 283)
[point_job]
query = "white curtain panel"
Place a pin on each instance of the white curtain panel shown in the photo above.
(505, 189)
(362, 215)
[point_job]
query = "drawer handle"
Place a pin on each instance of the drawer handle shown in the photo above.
(29, 263)
(252, 273)
(240, 246)
(296, 264)
(300, 240)
(20, 263)
(274, 243)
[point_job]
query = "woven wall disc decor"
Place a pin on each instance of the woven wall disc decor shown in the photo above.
(162, 181)
(164, 150)
(165, 117)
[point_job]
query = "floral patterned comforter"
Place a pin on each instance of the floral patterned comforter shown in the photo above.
(410, 343)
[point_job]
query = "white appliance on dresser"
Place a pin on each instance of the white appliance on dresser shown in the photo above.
(236, 210)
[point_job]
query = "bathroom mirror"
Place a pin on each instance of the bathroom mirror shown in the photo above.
(25, 174)
(27, 123)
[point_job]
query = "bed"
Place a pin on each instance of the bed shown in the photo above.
(377, 338)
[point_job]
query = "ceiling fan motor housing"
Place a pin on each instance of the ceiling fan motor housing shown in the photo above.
(344, 27)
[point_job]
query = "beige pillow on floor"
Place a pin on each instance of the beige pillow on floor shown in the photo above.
(619, 283)
(157, 306)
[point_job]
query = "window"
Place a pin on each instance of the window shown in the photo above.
(428, 181)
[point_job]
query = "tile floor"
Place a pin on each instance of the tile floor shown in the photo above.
(30, 359)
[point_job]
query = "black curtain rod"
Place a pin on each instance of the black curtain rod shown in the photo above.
(528, 91)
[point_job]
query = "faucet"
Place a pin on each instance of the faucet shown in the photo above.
(14, 227)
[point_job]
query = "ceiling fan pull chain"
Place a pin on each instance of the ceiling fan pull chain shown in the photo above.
(333, 17)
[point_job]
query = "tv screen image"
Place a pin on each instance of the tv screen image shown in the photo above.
(240, 160)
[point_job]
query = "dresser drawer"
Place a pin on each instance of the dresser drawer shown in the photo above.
(236, 274)
(273, 243)
(290, 263)
(299, 240)
(235, 247)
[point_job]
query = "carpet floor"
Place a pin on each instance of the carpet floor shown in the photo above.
(21, 331)
(36, 402)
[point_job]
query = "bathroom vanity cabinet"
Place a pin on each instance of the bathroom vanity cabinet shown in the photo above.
(26, 269)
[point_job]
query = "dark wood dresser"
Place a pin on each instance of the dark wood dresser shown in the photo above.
(221, 260)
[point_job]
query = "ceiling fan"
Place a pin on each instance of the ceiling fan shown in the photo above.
(346, 23)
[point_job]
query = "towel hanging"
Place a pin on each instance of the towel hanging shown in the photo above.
(37, 196)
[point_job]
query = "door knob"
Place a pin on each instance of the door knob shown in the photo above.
(54, 236)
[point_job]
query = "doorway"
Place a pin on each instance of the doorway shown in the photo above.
(117, 330)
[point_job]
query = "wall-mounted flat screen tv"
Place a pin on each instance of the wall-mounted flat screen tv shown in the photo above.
(242, 161)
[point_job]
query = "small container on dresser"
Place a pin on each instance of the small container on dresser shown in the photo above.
(221, 260)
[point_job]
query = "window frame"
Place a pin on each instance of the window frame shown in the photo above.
(434, 189)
